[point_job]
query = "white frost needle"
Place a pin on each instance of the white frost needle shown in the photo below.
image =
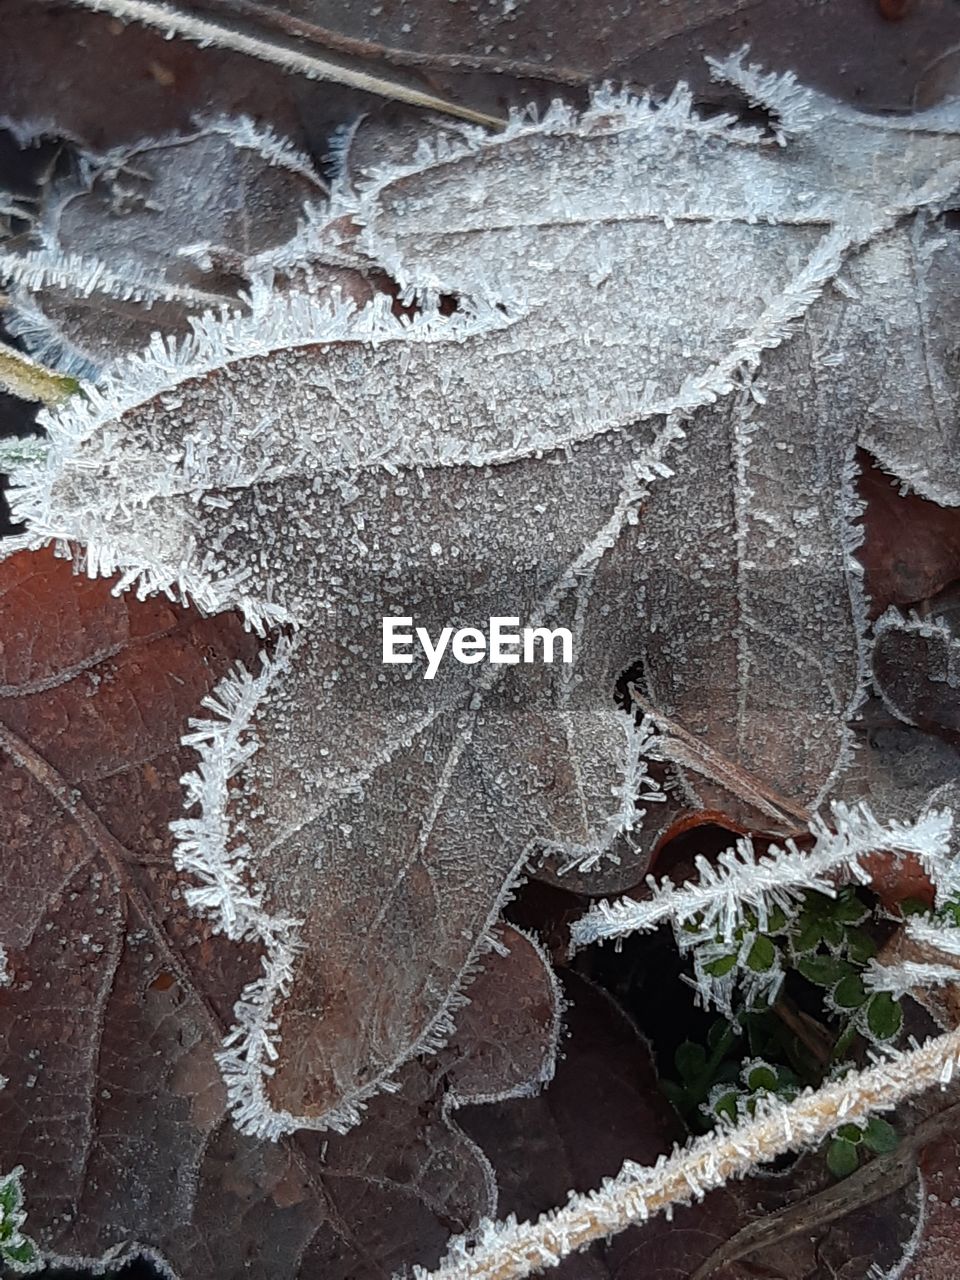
(509, 1250)
(203, 31)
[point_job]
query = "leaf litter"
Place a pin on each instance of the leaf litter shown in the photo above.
(598, 420)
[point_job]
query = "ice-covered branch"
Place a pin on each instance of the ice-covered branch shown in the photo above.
(741, 882)
(28, 380)
(509, 1250)
(935, 964)
(943, 937)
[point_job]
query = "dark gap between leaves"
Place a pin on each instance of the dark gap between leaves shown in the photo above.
(745, 111)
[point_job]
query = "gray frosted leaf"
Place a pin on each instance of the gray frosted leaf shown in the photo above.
(140, 239)
(420, 801)
(898, 770)
(904, 315)
(606, 399)
(752, 592)
(895, 767)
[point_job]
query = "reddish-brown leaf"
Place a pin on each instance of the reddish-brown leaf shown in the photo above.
(118, 997)
(911, 546)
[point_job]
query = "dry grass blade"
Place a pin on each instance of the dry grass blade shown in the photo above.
(203, 31)
(25, 378)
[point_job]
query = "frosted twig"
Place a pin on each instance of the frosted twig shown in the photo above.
(944, 937)
(907, 975)
(741, 882)
(80, 276)
(938, 967)
(509, 1250)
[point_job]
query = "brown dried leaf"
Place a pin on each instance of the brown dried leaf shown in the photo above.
(117, 996)
(911, 546)
(916, 666)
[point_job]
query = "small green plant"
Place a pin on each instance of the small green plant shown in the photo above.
(17, 1251)
(796, 1011)
(844, 1150)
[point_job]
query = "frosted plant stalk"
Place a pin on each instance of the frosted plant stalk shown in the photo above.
(173, 22)
(742, 882)
(509, 1250)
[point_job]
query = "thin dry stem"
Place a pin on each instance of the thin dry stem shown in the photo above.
(25, 378)
(173, 22)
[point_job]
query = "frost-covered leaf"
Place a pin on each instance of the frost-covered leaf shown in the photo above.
(937, 1243)
(140, 238)
(323, 466)
(116, 996)
(745, 592)
(916, 668)
(907, 288)
(896, 766)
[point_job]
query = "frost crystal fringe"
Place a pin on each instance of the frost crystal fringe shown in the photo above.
(628, 793)
(225, 743)
(509, 1250)
(742, 882)
(227, 892)
(782, 94)
(81, 277)
(247, 135)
